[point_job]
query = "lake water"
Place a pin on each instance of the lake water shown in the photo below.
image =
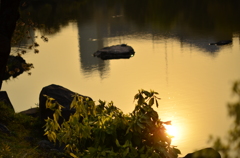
(193, 78)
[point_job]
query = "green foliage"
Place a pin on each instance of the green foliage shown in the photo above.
(104, 131)
(6, 113)
(231, 146)
(5, 151)
(25, 133)
(16, 65)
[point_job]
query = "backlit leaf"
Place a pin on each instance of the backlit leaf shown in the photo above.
(151, 101)
(168, 123)
(125, 152)
(136, 96)
(74, 156)
(156, 103)
(141, 100)
(117, 143)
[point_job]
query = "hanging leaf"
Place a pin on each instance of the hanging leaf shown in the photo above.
(136, 96)
(168, 123)
(36, 44)
(140, 125)
(117, 143)
(74, 102)
(73, 155)
(146, 93)
(151, 102)
(126, 151)
(156, 103)
(141, 100)
(36, 51)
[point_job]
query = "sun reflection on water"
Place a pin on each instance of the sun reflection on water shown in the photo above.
(174, 132)
(171, 130)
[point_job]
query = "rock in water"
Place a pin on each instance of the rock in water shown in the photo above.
(122, 51)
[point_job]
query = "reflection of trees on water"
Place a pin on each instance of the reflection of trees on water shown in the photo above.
(209, 21)
(199, 18)
(196, 18)
(90, 40)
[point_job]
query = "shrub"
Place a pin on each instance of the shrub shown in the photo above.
(24, 134)
(230, 147)
(104, 131)
(6, 113)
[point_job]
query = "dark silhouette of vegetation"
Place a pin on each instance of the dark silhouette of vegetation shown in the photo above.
(16, 65)
(230, 147)
(201, 18)
(8, 16)
(22, 140)
(92, 131)
(22, 40)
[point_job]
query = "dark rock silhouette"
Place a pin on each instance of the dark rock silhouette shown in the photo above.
(122, 51)
(62, 95)
(34, 112)
(224, 42)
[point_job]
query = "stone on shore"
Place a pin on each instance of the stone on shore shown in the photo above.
(34, 112)
(62, 95)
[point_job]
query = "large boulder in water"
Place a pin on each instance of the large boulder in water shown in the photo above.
(62, 95)
(122, 51)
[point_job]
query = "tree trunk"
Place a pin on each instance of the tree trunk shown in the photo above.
(8, 16)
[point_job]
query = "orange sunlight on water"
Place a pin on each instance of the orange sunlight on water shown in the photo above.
(175, 132)
(194, 86)
(172, 131)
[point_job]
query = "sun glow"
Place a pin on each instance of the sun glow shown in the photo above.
(171, 130)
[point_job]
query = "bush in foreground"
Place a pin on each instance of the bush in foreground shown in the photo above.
(104, 131)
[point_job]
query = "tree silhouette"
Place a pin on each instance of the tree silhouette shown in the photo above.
(8, 16)
(230, 147)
